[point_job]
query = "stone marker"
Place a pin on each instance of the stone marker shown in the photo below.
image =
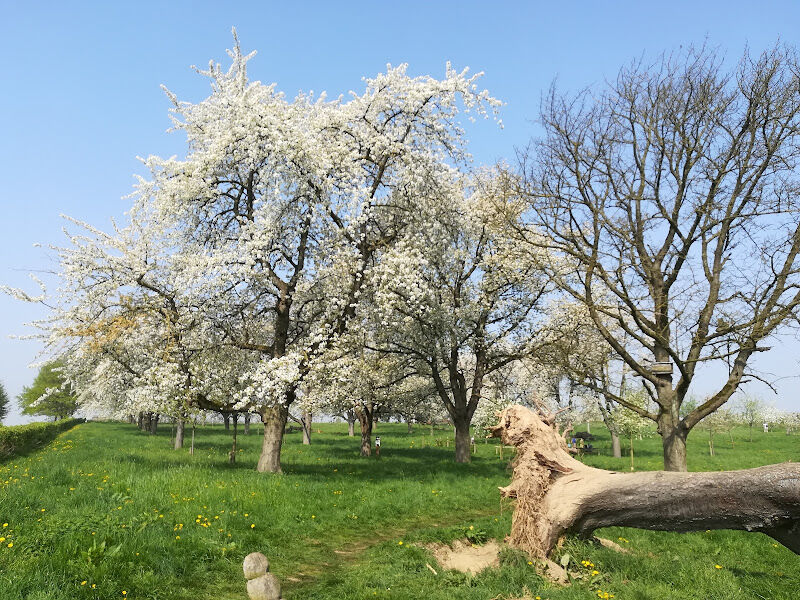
(261, 584)
(255, 565)
(266, 587)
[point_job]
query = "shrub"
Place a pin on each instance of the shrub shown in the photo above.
(21, 438)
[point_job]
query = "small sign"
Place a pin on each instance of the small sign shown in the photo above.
(661, 368)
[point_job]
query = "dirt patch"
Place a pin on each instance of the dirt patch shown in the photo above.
(463, 556)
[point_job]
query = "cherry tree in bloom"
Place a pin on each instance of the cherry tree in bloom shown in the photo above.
(354, 377)
(458, 298)
(258, 243)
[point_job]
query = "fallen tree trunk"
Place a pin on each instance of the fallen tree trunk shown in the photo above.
(557, 494)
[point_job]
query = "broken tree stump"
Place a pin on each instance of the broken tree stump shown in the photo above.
(557, 494)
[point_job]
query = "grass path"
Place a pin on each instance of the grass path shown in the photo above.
(354, 551)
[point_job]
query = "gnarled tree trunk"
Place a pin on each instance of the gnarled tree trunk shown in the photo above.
(274, 419)
(557, 494)
(365, 415)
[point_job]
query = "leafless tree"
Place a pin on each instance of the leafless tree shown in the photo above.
(670, 202)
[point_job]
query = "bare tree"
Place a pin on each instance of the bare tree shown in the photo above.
(670, 200)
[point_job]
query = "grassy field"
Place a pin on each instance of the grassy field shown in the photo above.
(106, 511)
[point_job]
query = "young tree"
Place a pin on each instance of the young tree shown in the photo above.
(629, 423)
(3, 403)
(751, 410)
(669, 198)
(50, 394)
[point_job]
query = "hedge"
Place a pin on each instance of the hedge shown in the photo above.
(21, 438)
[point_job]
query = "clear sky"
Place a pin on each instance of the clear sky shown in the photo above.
(80, 92)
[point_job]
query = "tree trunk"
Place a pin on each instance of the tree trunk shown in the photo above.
(154, 424)
(351, 423)
(147, 421)
(557, 494)
(232, 453)
(673, 442)
(364, 415)
(616, 447)
(305, 422)
(247, 423)
(274, 419)
(463, 447)
(140, 420)
(588, 427)
(179, 434)
(194, 426)
(226, 418)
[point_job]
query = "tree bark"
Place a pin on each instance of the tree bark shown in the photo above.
(558, 495)
(274, 419)
(140, 420)
(154, 424)
(463, 447)
(673, 443)
(365, 415)
(179, 433)
(247, 423)
(226, 418)
(351, 423)
(616, 448)
(305, 421)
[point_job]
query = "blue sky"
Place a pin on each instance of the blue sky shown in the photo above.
(80, 92)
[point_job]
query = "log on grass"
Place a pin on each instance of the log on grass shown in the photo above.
(558, 495)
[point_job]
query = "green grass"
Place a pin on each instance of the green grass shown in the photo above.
(105, 504)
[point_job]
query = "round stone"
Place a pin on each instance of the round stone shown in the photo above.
(255, 565)
(266, 587)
